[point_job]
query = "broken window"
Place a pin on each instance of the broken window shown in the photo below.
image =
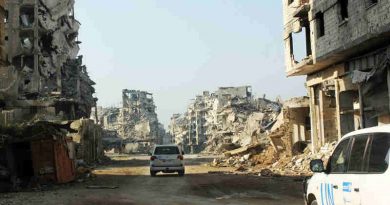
(372, 2)
(343, 9)
(320, 24)
(27, 16)
(46, 43)
(27, 41)
(6, 16)
(299, 42)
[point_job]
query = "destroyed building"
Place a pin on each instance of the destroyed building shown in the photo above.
(44, 88)
(42, 76)
(229, 118)
(346, 63)
(136, 122)
(139, 117)
(291, 131)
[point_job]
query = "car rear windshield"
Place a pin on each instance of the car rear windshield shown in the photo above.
(166, 150)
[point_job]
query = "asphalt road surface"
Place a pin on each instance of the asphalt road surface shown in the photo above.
(201, 185)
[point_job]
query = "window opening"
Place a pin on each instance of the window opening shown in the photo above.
(343, 9)
(320, 24)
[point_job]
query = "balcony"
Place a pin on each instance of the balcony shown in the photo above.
(301, 68)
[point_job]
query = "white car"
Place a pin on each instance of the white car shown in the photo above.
(357, 172)
(167, 159)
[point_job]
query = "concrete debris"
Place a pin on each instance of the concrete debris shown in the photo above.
(88, 138)
(288, 151)
(136, 123)
(225, 120)
(291, 131)
(270, 163)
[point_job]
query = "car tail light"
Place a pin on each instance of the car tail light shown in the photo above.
(152, 158)
(180, 157)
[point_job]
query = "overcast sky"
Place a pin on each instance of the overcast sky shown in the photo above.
(178, 48)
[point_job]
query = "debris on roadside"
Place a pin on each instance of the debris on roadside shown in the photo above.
(269, 163)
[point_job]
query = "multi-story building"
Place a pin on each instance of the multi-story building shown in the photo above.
(205, 118)
(139, 116)
(197, 128)
(346, 62)
(42, 74)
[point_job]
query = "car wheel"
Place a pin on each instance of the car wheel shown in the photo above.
(152, 173)
(314, 202)
(181, 173)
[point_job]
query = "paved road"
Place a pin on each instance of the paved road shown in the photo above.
(130, 174)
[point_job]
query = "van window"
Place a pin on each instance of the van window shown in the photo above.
(338, 161)
(379, 154)
(166, 150)
(356, 158)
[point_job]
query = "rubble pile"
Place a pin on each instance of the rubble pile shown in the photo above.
(227, 119)
(268, 162)
(136, 123)
(285, 146)
(300, 164)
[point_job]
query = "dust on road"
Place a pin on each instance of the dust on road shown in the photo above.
(201, 185)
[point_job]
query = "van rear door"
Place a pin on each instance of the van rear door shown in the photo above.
(167, 156)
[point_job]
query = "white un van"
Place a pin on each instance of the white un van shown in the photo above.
(357, 172)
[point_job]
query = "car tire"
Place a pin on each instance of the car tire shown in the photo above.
(152, 173)
(181, 173)
(314, 202)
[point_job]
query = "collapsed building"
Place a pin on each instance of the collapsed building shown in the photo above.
(136, 122)
(44, 90)
(346, 63)
(291, 132)
(227, 119)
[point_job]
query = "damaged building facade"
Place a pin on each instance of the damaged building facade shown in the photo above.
(44, 90)
(346, 63)
(224, 120)
(42, 76)
(136, 122)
